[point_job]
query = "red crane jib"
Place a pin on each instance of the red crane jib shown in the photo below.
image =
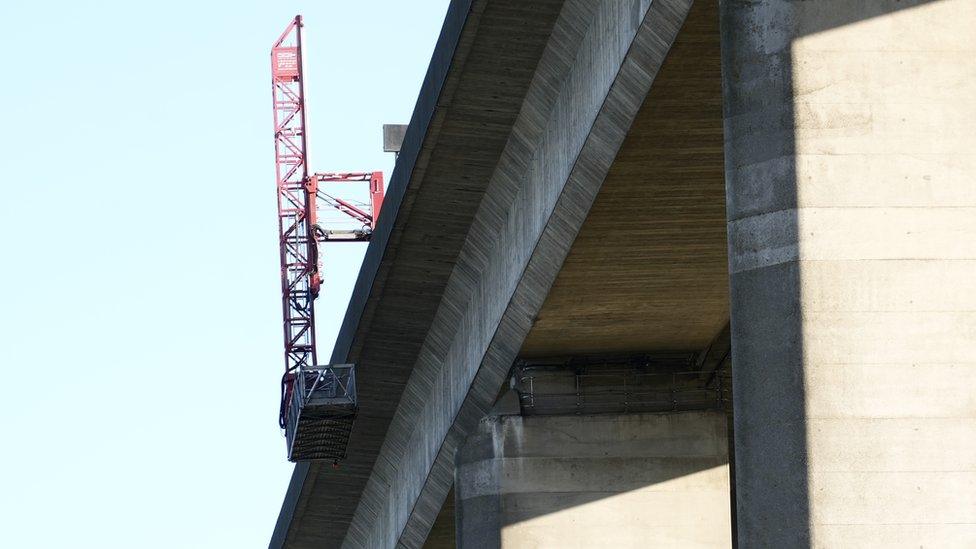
(301, 197)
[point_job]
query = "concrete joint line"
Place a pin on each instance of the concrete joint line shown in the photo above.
(851, 233)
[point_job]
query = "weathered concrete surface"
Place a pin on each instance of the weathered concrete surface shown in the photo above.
(649, 269)
(480, 71)
(852, 229)
(634, 480)
(590, 81)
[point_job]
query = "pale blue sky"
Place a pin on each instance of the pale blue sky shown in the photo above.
(140, 337)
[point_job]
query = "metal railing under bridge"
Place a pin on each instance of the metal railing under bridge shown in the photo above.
(619, 386)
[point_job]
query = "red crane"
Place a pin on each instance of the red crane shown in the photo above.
(318, 403)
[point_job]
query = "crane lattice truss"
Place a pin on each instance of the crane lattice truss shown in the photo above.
(301, 197)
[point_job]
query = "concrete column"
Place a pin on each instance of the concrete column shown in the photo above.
(633, 480)
(851, 179)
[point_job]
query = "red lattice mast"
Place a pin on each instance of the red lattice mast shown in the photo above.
(300, 197)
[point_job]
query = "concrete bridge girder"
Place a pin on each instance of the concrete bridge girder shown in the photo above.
(576, 115)
(838, 130)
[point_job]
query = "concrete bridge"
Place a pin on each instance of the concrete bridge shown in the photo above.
(670, 273)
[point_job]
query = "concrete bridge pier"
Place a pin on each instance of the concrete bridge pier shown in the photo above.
(564, 194)
(613, 480)
(850, 155)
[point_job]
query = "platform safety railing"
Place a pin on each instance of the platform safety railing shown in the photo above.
(321, 397)
(560, 391)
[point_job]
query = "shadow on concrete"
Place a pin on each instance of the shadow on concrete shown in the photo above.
(518, 469)
(771, 387)
(443, 533)
(768, 450)
(675, 149)
(771, 464)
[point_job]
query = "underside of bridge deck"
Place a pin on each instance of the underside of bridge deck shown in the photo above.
(648, 271)
(561, 195)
